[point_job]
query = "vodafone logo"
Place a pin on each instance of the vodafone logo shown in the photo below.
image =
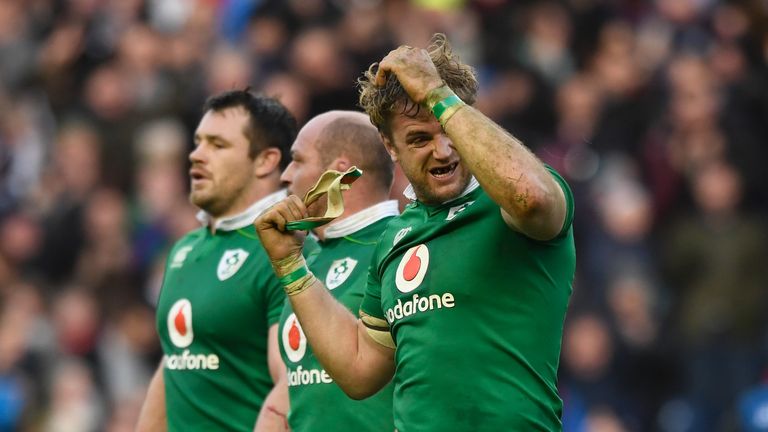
(180, 323)
(413, 266)
(294, 340)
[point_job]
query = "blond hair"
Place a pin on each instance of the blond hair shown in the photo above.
(380, 102)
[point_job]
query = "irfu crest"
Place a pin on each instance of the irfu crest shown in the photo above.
(339, 272)
(230, 263)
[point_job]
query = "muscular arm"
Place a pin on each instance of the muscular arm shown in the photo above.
(274, 412)
(360, 366)
(532, 201)
(340, 341)
(153, 416)
(274, 362)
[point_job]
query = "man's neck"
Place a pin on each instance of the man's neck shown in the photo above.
(245, 201)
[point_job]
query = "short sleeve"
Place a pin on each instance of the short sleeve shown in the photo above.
(371, 304)
(569, 204)
(311, 248)
(275, 296)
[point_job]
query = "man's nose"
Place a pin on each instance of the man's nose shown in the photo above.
(197, 155)
(442, 147)
(287, 175)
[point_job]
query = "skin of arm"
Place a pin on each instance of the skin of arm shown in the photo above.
(358, 364)
(274, 411)
(153, 417)
(532, 202)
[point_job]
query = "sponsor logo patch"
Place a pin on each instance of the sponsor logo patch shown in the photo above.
(180, 323)
(412, 269)
(294, 340)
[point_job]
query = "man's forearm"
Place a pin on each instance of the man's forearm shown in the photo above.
(335, 336)
(358, 364)
(274, 412)
(153, 416)
(509, 172)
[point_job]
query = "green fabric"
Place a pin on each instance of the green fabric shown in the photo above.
(215, 364)
(317, 404)
(476, 311)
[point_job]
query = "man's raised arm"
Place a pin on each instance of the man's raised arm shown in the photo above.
(531, 199)
(340, 341)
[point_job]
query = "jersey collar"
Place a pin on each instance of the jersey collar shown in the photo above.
(245, 218)
(362, 219)
(473, 184)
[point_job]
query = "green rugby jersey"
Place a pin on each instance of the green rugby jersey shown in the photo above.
(317, 403)
(218, 300)
(476, 311)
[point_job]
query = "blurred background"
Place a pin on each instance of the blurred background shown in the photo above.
(655, 111)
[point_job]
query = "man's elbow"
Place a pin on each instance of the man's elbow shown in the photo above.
(360, 389)
(357, 392)
(540, 216)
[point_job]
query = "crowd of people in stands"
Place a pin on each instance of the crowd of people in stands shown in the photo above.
(656, 112)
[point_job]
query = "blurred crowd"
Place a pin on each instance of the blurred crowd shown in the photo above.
(655, 111)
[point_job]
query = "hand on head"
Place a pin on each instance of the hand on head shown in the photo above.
(415, 70)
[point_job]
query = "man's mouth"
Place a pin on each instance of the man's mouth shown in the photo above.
(443, 171)
(197, 174)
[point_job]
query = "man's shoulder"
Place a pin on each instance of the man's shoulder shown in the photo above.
(187, 239)
(374, 230)
(191, 235)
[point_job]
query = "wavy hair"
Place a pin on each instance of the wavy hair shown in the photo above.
(381, 102)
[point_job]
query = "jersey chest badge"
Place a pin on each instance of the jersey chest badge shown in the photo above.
(230, 263)
(339, 272)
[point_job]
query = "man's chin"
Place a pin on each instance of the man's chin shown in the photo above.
(448, 192)
(200, 200)
(437, 196)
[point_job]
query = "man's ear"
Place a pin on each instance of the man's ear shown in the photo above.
(266, 162)
(390, 147)
(341, 163)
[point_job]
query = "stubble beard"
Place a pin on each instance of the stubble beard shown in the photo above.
(206, 202)
(427, 196)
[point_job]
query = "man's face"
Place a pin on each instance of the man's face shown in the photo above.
(306, 164)
(221, 172)
(427, 157)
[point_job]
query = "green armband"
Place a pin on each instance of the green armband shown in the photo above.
(443, 103)
(294, 275)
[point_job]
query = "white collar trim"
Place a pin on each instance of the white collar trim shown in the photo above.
(473, 184)
(245, 218)
(362, 219)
